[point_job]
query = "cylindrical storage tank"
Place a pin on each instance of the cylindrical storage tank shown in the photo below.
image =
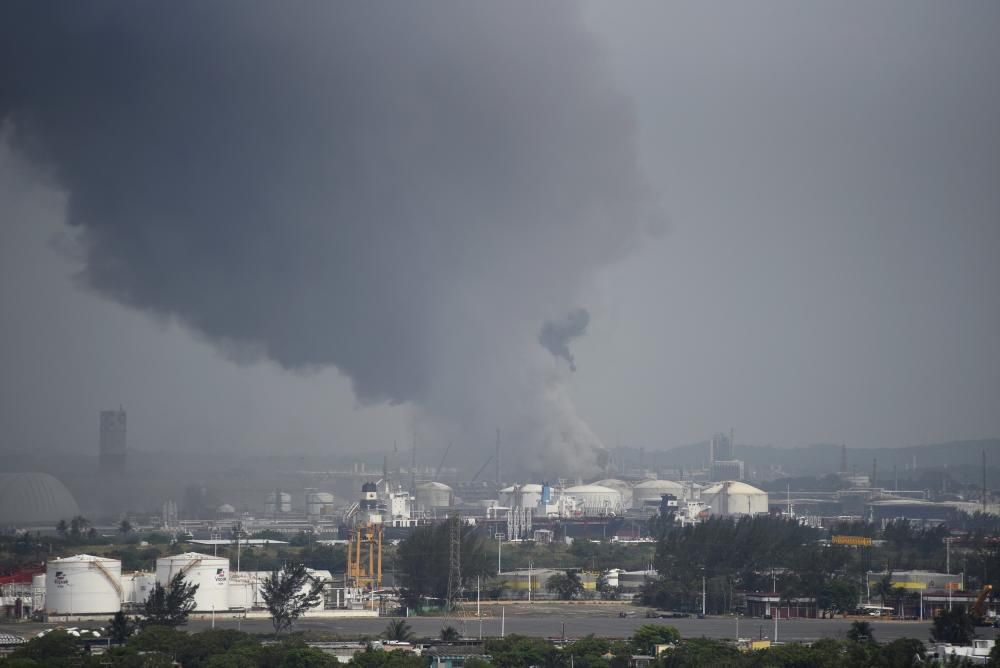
(244, 589)
(211, 574)
(596, 499)
(319, 504)
(137, 586)
(278, 502)
(433, 495)
(83, 585)
(732, 497)
(619, 486)
(649, 492)
(525, 496)
(38, 591)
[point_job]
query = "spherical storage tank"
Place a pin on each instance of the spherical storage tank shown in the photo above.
(433, 495)
(211, 574)
(732, 497)
(34, 498)
(596, 499)
(83, 585)
(648, 492)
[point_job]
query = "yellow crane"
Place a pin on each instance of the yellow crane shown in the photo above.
(364, 556)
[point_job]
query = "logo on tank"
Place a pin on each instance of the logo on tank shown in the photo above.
(220, 575)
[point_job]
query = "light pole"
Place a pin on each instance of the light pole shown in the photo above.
(529, 580)
(703, 591)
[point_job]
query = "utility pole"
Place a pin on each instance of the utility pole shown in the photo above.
(703, 591)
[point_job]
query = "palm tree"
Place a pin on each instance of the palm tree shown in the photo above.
(398, 629)
(883, 588)
(450, 634)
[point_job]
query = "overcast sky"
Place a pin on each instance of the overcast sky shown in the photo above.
(821, 264)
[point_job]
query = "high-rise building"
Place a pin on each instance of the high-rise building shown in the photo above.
(721, 464)
(113, 444)
(720, 448)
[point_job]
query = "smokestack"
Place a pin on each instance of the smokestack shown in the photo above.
(498, 459)
(413, 467)
(843, 458)
(984, 480)
(874, 471)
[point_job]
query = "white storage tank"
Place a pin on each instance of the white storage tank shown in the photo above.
(38, 591)
(648, 492)
(211, 574)
(319, 504)
(732, 497)
(278, 502)
(433, 495)
(244, 589)
(620, 486)
(137, 586)
(530, 494)
(596, 499)
(83, 585)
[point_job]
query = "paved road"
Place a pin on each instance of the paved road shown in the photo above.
(551, 625)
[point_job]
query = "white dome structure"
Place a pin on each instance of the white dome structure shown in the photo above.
(596, 499)
(34, 498)
(731, 498)
(530, 495)
(648, 492)
(619, 486)
(433, 495)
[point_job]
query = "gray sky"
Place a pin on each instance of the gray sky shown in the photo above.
(829, 177)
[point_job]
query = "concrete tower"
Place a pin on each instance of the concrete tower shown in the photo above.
(113, 444)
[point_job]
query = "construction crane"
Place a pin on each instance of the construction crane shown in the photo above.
(443, 457)
(978, 609)
(482, 468)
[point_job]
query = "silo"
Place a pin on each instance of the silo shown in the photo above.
(319, 504)
(433, 495)
(211, 574)
(83, 585)
(649, 492)
(278, 502)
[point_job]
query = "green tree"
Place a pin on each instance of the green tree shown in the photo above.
(883, 588)
(288, 593)
(423, 559)
(517, 651)
(125, 527)
(380, 659)
(698, 652)
(903, 653)
(169, 606)
(450, 634)
(121, 627)
(62, 528)
(953, 626)
(398, 629)
(646, 637)
(163, 639)
(56, 648)
(861, 631)
(566, 586)
(77, 526)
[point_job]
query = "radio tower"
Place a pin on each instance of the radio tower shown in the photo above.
(454, 559)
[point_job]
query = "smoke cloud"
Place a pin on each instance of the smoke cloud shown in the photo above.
(403, 191)
(557, 335)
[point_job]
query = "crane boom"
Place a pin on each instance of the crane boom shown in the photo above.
(443, 457)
